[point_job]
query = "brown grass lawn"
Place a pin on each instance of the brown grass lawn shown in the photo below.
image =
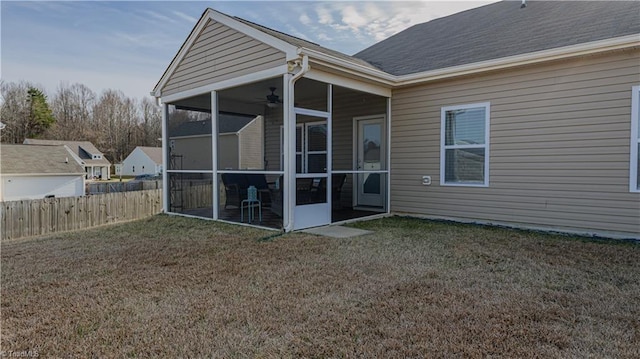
(179, 287)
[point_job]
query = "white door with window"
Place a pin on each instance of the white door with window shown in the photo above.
(370, 161)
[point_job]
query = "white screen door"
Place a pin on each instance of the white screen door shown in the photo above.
(370, 157)
(312, 207)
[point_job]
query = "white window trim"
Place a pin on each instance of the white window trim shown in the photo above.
(635, 139)
(443, 148)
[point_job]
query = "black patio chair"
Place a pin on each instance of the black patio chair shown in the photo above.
(235, 188)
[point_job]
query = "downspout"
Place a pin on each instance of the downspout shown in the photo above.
(290, 113)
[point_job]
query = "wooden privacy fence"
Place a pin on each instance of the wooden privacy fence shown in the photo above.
(108, 187)
(191, 194)
(49, 215)
(198, 196)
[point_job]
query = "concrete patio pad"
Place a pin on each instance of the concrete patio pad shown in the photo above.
(337, 231)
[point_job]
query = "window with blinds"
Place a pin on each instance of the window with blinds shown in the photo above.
(464, 156)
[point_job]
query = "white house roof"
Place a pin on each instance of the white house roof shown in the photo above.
(36, 159)
(82, 149)
(154, 153)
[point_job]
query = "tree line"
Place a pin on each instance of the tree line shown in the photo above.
(113, 122)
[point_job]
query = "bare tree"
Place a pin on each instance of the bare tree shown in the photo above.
(151, 125)
(72, 106)
(115, 118)
(115, 123)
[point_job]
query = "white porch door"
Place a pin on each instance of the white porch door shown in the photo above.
(370, 157)
(313, 139)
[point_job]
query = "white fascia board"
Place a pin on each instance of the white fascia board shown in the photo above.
(225, 84)
(74, 156)
(524, 59)
(319, 75)
(333, 62)
(290, 51)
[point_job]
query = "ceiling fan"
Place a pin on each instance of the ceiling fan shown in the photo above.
(273, 100)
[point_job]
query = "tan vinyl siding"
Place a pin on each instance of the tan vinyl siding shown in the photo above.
(221, 53)
(559, 146)
(251, 145)
(273, 119)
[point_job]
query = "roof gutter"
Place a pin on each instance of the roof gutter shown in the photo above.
(340, 64)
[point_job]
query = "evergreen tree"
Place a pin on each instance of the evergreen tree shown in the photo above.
(40, 115)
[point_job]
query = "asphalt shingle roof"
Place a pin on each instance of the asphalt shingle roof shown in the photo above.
(499, 30)
(82, 149)
(35, 159)
(155, 153)
(295, 41)
(227, 123)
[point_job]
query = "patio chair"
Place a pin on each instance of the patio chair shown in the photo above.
(337, 181)
(259, 181)
(304, 187)
(235, 188)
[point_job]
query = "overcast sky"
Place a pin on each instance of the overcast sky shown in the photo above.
(127, 45)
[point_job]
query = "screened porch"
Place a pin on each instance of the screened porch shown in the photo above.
(261, 162)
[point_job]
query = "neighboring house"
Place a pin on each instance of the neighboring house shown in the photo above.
(239, 142)
(141, 161)
(33, 172)
(83, 152)
(514, 115)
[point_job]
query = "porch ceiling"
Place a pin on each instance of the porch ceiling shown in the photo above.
(253, 94)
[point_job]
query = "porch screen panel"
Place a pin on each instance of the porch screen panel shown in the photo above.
(241, 142)
(189, 133)
(311, 94)
(317, 148)
(191, 193)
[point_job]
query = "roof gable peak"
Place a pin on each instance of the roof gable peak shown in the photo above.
(290, 51)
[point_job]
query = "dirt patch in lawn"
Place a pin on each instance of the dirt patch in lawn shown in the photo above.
(180, 287)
